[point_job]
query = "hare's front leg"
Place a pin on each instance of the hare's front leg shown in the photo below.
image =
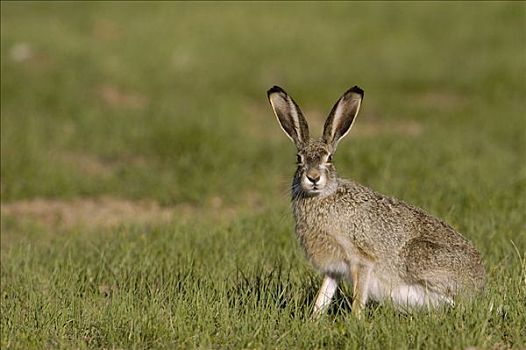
(360, 276)
(327, 290)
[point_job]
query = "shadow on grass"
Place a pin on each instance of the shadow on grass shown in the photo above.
(287, 290)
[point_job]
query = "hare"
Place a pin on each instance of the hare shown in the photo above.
(389, 250)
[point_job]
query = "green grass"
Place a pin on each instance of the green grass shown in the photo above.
(165, 102)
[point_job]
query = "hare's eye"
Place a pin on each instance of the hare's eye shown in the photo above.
(329, 158)
(298, 159)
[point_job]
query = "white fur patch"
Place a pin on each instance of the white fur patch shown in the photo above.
(404, 296)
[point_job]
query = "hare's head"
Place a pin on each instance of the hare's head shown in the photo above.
(315, 174)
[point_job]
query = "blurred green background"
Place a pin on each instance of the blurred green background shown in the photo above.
(178, 90)
(121, 116)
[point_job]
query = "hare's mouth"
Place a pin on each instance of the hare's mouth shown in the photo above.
(309, 189)
(314, 189)
(314, 192)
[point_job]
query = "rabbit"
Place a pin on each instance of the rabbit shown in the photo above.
(388, 250)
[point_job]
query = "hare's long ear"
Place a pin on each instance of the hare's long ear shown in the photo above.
(342, 116)
(289, 116)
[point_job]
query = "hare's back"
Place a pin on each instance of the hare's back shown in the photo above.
(394, 220)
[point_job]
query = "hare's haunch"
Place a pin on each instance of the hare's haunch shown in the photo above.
(387, 249)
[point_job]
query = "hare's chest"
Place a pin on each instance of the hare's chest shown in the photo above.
(325, 243)
(324, 252)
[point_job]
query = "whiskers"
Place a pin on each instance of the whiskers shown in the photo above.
(291, 192)
(297, 191)
(285, 192)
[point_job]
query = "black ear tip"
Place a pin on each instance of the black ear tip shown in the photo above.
(357, 90)
(275, 89)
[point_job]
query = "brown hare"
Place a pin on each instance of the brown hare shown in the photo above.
(388, 250)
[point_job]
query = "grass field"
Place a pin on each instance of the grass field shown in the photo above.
(144, 179)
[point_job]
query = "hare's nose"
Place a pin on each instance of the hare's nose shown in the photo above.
(313, 176)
